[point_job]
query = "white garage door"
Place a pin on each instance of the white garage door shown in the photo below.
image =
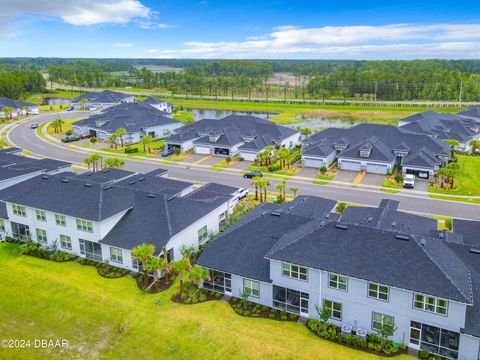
(376, 168)
(313, 162)
(350, 165)
(202, 150)
(248, 156)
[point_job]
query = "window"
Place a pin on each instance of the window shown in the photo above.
(382, 321)
(41, 215)
(218, 281)
(430, 304)
(435, 340)
(60, 220)
(116, 255)
(335, 309)
(84, 225)
(202, 234)
(65, 242)
(41, 236)
(377, 291)
(338, 282)
(20, 231)
(295, 272)
(90, 249)
(19, 210)
(252, 287)
(290, 300)
(2, 225)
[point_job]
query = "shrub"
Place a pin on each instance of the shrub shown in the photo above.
(423, 354)
(341, 206)
(323, 169)
(93, 139)
(218, 295)
(283, 317)
(130, 150)
(271, 316)
(283, 313)
(399, 178)
(293, 316)
(68, 132)
(264, 308)
(273, 167)
(273, 311)
(177, 151)
(448, 224)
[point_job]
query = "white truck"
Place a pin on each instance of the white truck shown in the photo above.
(409, 181)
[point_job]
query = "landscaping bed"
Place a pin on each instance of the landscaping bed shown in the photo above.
(196, 296)
(105, 270)
(372, 343)
(250, 309)
(161, 285)
(36, 250)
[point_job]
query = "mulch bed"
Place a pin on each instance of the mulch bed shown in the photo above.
(210, 295)
(258, 311)
(161, 285)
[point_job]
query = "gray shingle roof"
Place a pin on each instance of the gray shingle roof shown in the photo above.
(470, 231)
(16, 104)
(104, 97)
(132, 116)
(472, 112)
(13, 164)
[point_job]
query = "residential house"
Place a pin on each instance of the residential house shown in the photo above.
(444, 127)
(103, 215)
(376, 149)
(159, 104)
(101, 100)
(473, 112)
(19, 107)
(295, 259)
(138, 119)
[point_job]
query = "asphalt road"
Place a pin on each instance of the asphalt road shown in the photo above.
(24, 137)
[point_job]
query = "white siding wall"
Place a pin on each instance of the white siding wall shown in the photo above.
(250, 156)
(469, 347)
(291, 141)
(197, 149)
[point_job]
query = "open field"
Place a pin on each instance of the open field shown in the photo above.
(468, 181)
(110, 318)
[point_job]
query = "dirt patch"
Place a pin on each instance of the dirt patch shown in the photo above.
(161, 285)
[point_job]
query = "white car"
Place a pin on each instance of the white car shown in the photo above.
(242, 193)
(409, 181)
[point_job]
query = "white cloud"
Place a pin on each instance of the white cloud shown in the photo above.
(123, 45)
(366, 42)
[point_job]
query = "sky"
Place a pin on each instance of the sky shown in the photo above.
(240, 29)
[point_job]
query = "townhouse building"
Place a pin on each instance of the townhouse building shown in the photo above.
(422, 283)
(103, 215)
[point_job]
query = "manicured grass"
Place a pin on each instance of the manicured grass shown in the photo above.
(264, 170)
(460, 199)
(67, 126)
(155, 146)
(113, 319)
(381, 115)
(187, 117)
(468, 181)
(390, 186)
(441, 222)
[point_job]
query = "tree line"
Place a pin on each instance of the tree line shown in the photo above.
(17, 84)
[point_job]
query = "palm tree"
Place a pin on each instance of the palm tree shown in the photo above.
(294, 190)
(96, 162)
(143, 253)
(256, 181)
(188, 252)
(88, 161)
(475, 144)
(113, 163)
(197, 274)
(280, 187)
(263, 184)
(119, 133)
(3, 143)
(181, 268)
(146, 142)
(8, 112)
(155, 265)
(112, 140)
(453, 145)
(283, 154)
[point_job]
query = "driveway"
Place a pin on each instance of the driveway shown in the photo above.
(346, 176)
(373, 179)
(242, 165)
(308, 172)
(211, 160)
(194, 158)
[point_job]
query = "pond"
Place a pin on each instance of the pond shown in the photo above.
(54, 101)
(317, 122)
(218, 114)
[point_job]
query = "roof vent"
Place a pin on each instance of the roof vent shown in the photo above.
(170, 198)
(370, 219)
(327, 216)
(151, 196)
(107, 187)
(394, 223)
(65, 180)
(341, 226)
(475, 251)
(88, 173)
(423, 242)
(87, 185)
(402, 237)
(275, 213)
(441, 235)
(105, 170)
(132, 182)
(45, 177)
(141, 179)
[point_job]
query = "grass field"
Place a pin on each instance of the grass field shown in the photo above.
(155, 145)
(111, 319)
(468, 181)
(67, 126)
(381, 115)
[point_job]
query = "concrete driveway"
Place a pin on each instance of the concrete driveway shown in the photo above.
(373, 179)
(210, 161)
(195, 158)
(308, 172)
(346, 176)
(242, 165)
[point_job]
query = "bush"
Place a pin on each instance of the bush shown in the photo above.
(448, 224)
(264, 308)
(341, 206)
(130, 150)
(68, 132)
(273, 167)
(93, 139)
(399, 178)
(283, 317)
(293, 316)
(218, 295)
(323, 169)
(271, 316)
(273, 311)
(423, 354)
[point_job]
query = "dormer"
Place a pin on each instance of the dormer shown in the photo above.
(365, 150)
(341, 145)
(100, 123)
(402, 150)
(213, 138)
(248, 139)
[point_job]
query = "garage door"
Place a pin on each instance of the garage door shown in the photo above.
(350, 165)
(202, 150)
(248, 156)
(313, 162)
(375, 168)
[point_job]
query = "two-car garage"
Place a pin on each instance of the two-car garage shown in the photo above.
(369, 167)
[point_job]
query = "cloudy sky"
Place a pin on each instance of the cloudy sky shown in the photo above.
(241, 29)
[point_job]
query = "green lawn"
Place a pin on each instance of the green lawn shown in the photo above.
(156, 145)
(468, 181)
(112, 319)
(187, 117)
(67, 125)
(391, 186)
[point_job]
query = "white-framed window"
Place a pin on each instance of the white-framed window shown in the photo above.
(66, 242)
(380, 321)
(19, 210)
(334, 308)
(377, 291)
(84, 225)
(2, 225)
(338, 282)
(202, 234)
(430, 303)
(60, 220)
(41, 215)
(295, 271)
(41, 236)
(252, 287)
(116, 255)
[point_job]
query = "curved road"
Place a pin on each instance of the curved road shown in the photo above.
(22, 136)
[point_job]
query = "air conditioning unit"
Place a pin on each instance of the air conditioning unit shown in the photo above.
(361, 334)
(346, 330)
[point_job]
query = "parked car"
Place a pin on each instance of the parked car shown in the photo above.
(242, 193)
(34, 126)
(423, 175)
(409, 181)
(70, 138)
(86, 136)
(252, 174)
(167, 152)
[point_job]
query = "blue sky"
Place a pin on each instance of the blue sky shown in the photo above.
(240, 29)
